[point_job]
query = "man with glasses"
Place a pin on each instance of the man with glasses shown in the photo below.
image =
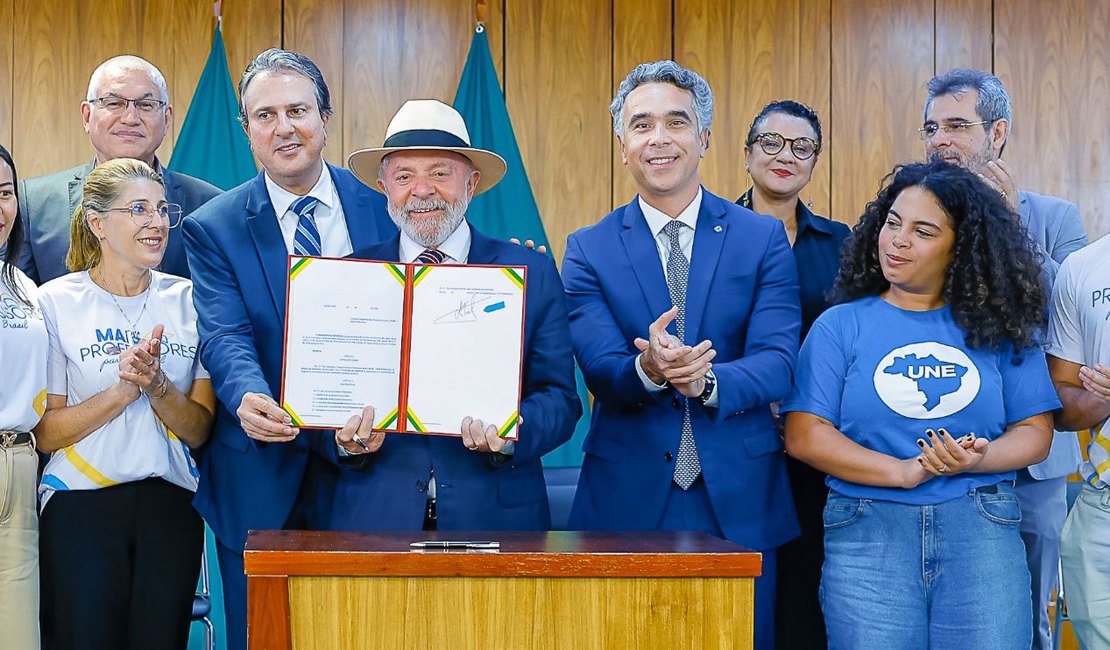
(967, 122)
(127, 113)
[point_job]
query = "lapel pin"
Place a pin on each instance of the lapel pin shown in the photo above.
(717, 228)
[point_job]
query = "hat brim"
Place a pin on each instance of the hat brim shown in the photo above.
(364, 164)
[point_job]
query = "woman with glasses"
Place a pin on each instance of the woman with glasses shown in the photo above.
(919, 395)
(781, 151)
(126, 400)
(23, 347)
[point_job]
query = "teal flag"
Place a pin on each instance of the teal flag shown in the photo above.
(212, 145)
(509, 209)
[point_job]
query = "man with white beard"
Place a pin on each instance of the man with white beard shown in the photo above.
(968, 118)
(429, 173)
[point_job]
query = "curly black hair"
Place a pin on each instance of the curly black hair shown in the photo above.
(994, 285)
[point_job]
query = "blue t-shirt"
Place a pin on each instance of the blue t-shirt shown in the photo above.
(883, 375)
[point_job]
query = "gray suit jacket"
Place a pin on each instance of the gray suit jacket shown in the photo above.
(1056, 227)
(46, 205)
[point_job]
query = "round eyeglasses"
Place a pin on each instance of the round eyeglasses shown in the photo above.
(772, 143)
(143, 214)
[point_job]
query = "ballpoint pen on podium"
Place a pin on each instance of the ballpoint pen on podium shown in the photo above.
(460, 544)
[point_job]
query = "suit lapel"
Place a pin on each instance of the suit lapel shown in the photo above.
(385, 251)
(173, 187)
(643, 256)
(482, 250)
(709, 239)
(77, 185)
(268, 242)
(358, 212)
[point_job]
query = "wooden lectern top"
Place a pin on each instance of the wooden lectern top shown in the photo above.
(525, 554)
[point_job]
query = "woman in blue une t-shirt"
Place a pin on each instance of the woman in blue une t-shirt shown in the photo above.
(919, 395)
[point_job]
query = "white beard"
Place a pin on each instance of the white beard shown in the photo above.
(429, 233)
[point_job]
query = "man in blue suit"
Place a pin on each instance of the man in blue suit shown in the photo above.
(253, 471)
(127, 113)
(684, 315)
(967, 122)
(479, 481)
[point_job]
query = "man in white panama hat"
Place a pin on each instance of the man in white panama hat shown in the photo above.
(429, 174)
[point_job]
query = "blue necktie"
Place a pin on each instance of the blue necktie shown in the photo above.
(307, 239)
(687, 466)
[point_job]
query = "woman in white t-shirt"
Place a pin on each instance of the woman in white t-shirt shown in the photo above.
(23, 346)
(127, 399)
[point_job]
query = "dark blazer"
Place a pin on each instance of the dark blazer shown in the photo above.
(46, 204)
(387, 490)
(239, 263)
(742, 294)
(817, 253)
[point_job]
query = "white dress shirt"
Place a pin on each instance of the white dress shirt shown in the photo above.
(335, 241)
(657, 221)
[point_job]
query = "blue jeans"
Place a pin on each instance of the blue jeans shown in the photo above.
(950, 575)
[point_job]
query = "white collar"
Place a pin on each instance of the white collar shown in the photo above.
(281, 198)
(657, 220)
(456, 246)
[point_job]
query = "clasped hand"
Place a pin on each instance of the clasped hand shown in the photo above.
(667, 360)
(942, 455)
(140, 366)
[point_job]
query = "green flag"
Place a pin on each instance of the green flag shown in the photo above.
(212, 145)
(509, 209)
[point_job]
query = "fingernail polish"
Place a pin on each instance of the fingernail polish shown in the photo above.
(921, 443)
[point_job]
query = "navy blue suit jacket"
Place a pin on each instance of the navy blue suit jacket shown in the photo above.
(239, 264)
(742, 294)
(387, 490)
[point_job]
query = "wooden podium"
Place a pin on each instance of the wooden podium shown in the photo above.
(319, 590)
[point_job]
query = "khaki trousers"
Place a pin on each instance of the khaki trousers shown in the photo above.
(19, 549)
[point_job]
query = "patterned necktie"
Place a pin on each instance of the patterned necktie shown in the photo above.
(306, 241)
(687, 466)
(431, 256)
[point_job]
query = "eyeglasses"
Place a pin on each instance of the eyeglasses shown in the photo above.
(771, 143)
(143, 214)
(958, 129)
(114, 104)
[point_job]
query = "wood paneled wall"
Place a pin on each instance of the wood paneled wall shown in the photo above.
(861, 63)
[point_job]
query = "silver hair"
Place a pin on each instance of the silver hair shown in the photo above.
(127, 62)
(665, 71)
(993, 103)
(275, 59)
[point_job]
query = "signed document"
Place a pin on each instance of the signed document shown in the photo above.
(344, 327)
(426, 346)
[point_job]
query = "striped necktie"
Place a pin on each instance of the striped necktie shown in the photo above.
(306, 241)
(431, 256)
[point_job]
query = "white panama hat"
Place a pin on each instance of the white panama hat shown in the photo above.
(429, 125)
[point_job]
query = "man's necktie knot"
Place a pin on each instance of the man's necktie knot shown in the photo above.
(431, 256)
(306, 241)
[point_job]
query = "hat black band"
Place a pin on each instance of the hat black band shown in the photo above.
(424, 138)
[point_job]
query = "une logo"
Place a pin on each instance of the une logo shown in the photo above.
(926, 380)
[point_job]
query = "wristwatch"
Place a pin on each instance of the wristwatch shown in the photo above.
(710, 384)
